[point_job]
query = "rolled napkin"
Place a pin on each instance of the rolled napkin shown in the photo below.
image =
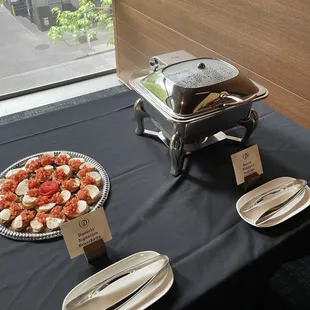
(123, 287)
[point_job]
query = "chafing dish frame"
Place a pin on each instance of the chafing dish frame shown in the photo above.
(180, 132)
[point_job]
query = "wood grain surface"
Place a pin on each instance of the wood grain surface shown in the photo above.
(267, 39)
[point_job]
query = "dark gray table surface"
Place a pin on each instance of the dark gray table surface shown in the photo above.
(192, 218)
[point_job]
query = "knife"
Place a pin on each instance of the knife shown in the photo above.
(274, 210)
(256, 201)
(93, 291)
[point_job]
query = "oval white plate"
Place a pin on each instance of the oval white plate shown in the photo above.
(290, 210)
(144, 299)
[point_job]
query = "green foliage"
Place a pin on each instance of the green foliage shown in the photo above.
(83, 21)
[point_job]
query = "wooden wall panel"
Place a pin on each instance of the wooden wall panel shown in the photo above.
(132, 60)
(139, 41)
(257, 34)
(145, 28)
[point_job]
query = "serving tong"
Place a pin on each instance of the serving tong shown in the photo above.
(91, 293)
(294, 188)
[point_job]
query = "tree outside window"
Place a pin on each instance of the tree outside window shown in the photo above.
(83, 22)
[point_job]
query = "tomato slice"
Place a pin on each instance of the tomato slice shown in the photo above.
(49, 188)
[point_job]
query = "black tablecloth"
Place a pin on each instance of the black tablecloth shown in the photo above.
(192, 218)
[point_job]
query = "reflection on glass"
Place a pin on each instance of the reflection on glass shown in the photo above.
(48, 41)
(160, 87)
(155, 85)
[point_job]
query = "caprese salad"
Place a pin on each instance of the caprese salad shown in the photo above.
(48, 191)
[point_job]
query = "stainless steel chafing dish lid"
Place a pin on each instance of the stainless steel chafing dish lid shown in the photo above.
(196, 86)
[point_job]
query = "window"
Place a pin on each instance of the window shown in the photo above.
(45, 43)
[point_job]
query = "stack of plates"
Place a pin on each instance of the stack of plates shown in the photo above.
(270, 195)
(115, 292)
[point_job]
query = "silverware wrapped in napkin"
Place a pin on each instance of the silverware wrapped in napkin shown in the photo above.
(274, 210)
(276, 196)
(115, 291)
(274, 202)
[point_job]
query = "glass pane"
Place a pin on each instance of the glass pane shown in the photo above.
(50, 41)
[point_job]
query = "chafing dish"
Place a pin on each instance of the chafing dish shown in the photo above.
(191, 101)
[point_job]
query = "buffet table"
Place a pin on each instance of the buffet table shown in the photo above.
(192, 218)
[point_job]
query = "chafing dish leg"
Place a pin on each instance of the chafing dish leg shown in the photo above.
(250, 124)
(139, 114)
(176, 154)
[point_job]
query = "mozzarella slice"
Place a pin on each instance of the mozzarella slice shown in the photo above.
(82, 206)
(49, 168)
(5, 215)
(53, 223)
(88, 165)
(66, 195)
(22, 188)
(67, 155)
(13, 171)
(46, 207)
(36, 225)
(65, 168)
(28, 201)
(29, 161)
(77, 182)
(96, 176)
(93, 191)
(2, 181)
(50, 154)
(18, 222)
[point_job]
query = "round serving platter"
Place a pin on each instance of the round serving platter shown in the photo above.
(25, 236)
